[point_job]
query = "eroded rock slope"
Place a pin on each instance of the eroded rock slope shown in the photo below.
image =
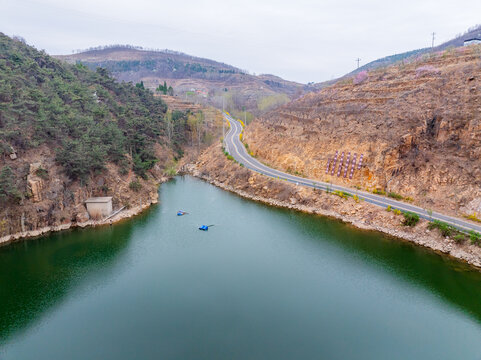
(417, 125)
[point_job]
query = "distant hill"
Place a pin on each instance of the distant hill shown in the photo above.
(191, 77)
(392, 59)
(128, 62)
(407, 56)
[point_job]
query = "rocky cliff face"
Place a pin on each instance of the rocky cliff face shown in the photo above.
(51, 199)
(417, 126)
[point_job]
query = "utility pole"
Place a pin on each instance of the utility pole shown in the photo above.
(223, 122)
(358, 62)
(223, 129)
(432, 42)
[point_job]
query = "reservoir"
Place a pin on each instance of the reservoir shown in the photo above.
(262, 283)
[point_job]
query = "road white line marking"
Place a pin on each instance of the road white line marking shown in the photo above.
(236, 129)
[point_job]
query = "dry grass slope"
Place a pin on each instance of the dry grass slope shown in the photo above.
(417, 124)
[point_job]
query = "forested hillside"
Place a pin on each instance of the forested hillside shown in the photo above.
(87, 116)
(67, 133)
(195, 79)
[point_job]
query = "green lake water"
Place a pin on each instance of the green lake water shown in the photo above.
(263, 283)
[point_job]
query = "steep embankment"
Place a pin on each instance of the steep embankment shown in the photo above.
(418, 126)
(195, 78)
(215, 168)
(68, 133)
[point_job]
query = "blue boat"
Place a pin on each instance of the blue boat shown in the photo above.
(180, 213)
(205, 227)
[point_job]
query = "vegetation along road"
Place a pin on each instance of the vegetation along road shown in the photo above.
(236, 149)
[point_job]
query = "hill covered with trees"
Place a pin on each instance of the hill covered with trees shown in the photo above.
(67, 133)
(193, 78)
(86, 116)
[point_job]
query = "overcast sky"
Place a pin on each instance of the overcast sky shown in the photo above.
(300, 40)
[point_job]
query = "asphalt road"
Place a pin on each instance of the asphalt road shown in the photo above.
(236, 148)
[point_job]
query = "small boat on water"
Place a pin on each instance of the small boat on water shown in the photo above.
(204, 227)
(181, 213)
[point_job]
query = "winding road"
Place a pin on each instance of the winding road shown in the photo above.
(236, 149)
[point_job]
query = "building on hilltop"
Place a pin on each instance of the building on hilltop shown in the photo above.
(473, 41)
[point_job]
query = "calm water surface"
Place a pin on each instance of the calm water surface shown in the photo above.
(263, 283)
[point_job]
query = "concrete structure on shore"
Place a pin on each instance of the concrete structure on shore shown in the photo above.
(99, 207)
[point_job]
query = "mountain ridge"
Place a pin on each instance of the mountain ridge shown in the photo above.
(200, 79)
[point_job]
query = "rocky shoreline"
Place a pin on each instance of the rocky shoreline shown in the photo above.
(214, 168)
(121, 215)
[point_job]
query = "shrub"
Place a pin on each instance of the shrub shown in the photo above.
(445, 229)
(270, 102)
(124, 166)
(8, 188)
(395, 196)
(42, 173)
(135, 185)
(475, 237)
(171, 169)
(397, 212)
(389, 208)
(230, 157)
(342, 194)
(410, 218)
(378, 192)
(3, 226)
(473, 217)
(459, 238)
(360, 77)
(345, 82)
